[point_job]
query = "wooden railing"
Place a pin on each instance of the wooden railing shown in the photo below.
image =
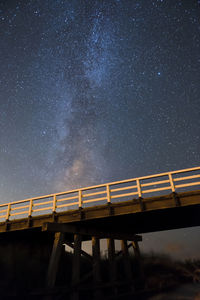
(103, 193)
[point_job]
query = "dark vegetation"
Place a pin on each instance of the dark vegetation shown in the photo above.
(24, 268)
(163, 272)
(152, 274)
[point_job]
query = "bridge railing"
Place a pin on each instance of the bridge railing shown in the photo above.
(104, 193)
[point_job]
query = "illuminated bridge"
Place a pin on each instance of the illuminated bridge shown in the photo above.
(118, 210)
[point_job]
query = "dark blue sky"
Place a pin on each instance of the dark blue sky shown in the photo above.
(95, 91)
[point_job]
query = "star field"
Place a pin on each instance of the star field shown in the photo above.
(95, 91)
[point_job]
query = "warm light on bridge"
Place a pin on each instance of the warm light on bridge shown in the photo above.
(104, 193)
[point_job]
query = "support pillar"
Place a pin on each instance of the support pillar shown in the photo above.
(54, 260)
(137, 254)
(112, 264)
(136, 249)
(76, 266)
(127, 262)
(96, 267)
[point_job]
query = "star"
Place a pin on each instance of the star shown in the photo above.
(96, 91)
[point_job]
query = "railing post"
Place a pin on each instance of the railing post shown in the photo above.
(171, 182)
(108, 193)
(30, 208)
(54, 203)
(8, 212)
(139, 188)
(80, 199)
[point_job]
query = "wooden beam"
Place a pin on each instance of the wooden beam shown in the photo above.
(76, 259)
(137, 253)
(76, 265)
(54, 260)
(86, 230)
(120, 251)
(127, 263)
(136, 249)
(112, 264)
(88, 256)
(125, 254)
(96, 267)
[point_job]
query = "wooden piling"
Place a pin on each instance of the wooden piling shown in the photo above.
(127, 262)
(136, 249)
(76, 267)
(112, 264)
(96, 267)
(54, 259)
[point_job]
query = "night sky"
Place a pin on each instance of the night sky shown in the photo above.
(97, 91)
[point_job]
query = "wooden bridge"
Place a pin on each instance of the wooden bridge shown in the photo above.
(116, 211)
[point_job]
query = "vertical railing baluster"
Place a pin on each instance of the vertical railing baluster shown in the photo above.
(139, 188)
(30, 208)
(171, 182)
(8, 212)
(80, 199)
(108, 193)
(54, 203)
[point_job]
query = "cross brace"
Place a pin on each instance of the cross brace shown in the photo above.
(87, 231)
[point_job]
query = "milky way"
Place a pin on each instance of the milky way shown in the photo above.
(95, 91)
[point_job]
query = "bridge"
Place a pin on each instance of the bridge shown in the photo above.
(120, 210)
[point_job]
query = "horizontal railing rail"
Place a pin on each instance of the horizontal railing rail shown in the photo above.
(106, 193)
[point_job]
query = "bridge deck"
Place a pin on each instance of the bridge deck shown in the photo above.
(145, 213)
(175, 210)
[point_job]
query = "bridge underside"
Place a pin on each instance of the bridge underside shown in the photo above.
(151, 221)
